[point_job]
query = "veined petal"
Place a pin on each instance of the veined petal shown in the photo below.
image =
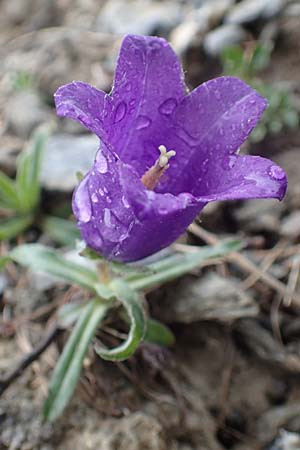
(243, 177)
(148, 86)
(122, 220)
(213, 121)
(83, 103)
(161, 219)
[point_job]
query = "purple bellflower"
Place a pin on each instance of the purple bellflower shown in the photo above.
(164, 153)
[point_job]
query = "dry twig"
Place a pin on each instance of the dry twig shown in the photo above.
(244, 263)
(28, 359)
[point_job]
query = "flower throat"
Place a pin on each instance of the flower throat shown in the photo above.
(152, 175)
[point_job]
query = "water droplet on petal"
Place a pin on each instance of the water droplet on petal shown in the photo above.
(168, 106)
(84, 214)
(142, 122)
(82, 203)
(101, 192)
(205, 166)
(120, 112)
(276, 173)
(218, 94)
(97, 240)
(107, 217)
(101, 163)
(127, 86)
(94, 197)
(125, 202)
(156, 46)
(229, 162)
(232, 161)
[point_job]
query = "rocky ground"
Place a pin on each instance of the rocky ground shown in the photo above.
(232, 379)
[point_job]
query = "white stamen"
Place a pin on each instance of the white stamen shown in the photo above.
(165, 156)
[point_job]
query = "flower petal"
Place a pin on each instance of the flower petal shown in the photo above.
(243, 177)
(83, 103)
(148, 86)
(213, 121)
(120, 219)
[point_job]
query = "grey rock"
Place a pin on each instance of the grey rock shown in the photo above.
(286, 441)
(292, 10)
(226, 35)
(64, 156)
(250, 10)
(212, 12)
(211, 297)
(138, 16)
(291, 225)
(191, 32)
(186, 35)
(135, 432)
(260, 215)
(24, 111)
(56, 56)
(14, 11)
(286, 416)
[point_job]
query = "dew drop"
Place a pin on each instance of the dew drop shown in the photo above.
(205, 165)
(127, 86)
(101, 192)
(232, 161)
(218, 94)
(163, 209)
(107, 217)
(120, 112)
(125, 202)
(168, 106)
(276, 173)
(156, 46)
(97, 240)
(229, 162)
(83, 203)
(101, 163)
(84, 214)
(142, 122)
(94, 197)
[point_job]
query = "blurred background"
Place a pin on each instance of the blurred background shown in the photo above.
(237, 385)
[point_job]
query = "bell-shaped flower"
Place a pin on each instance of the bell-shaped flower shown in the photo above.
(164, 153)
